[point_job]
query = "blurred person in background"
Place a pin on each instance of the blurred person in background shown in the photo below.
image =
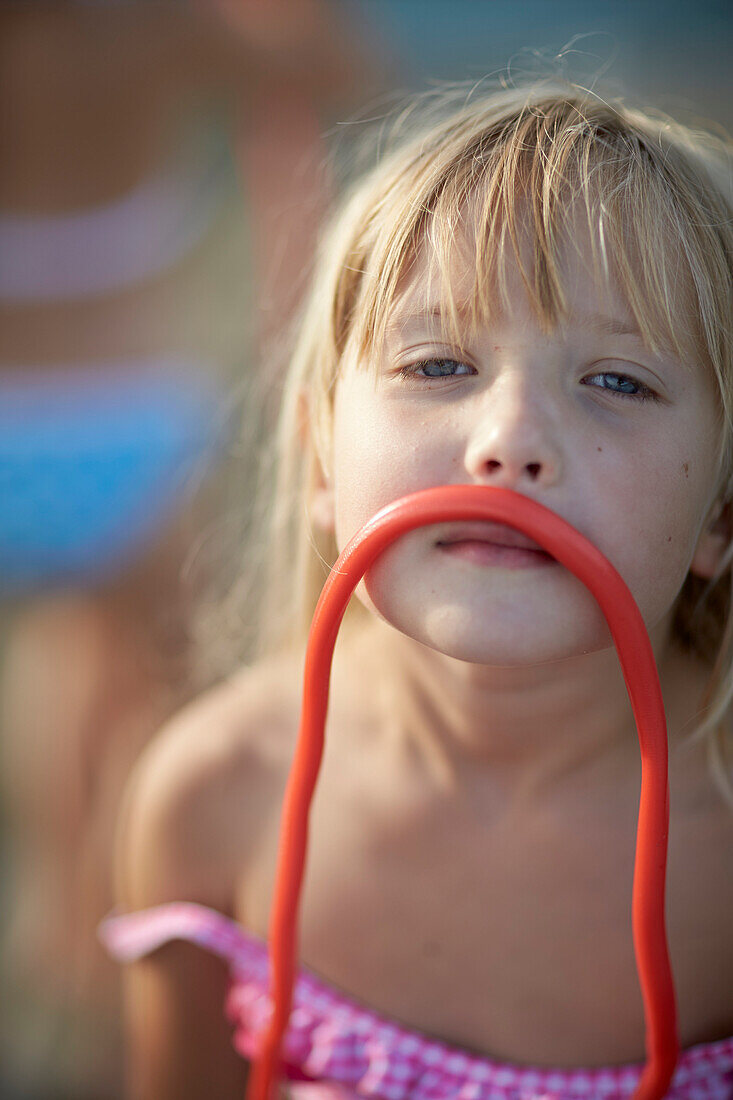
(134, 284)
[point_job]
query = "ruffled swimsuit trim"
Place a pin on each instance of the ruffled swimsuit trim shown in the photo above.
(332, 1038)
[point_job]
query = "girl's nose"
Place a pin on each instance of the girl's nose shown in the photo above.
(514, 441)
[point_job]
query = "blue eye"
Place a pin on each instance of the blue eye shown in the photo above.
(435, 368)
(627, 386)
(621, 385)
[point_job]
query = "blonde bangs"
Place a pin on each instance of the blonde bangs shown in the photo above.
(530, 178)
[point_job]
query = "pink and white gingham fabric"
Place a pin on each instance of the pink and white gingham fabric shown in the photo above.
(335, 1049)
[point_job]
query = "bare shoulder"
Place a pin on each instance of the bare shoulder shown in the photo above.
(205, 791)
(699, 883)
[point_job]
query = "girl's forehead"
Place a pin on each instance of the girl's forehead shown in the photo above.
(436, 288)
(470, 267)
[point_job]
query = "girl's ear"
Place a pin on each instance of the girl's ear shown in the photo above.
(320, 503)
(715, 539)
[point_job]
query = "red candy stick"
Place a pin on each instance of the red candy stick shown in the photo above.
(470, 503)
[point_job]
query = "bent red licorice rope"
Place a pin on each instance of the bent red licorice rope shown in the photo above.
(471, 503)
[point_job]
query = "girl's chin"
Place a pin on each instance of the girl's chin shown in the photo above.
(504, 652)
(527, 619)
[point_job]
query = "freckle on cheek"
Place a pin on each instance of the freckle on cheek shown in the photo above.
(686, 468)
(600, 448)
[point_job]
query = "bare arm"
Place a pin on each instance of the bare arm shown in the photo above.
(177, 1040)
(192, 819)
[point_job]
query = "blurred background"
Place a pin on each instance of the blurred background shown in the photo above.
(675, 54)
(164, 170)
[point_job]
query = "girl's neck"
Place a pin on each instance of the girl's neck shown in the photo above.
(529, 728)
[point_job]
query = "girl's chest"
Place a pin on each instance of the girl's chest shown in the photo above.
(512, 939)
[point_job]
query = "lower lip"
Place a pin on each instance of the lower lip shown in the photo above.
(489, 553)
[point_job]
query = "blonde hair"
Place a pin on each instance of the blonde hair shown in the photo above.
(520, 163)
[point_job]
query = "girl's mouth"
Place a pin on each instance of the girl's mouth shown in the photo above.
(493, 544)
(488, 553)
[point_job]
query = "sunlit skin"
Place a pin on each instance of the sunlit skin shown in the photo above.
(585, 420)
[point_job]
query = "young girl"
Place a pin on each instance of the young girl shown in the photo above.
(531, 290)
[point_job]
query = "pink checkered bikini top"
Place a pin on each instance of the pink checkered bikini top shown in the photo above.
(337, 1049)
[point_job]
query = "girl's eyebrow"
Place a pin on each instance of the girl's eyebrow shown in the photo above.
(398, 320)
(608, 326)
(615, 326)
